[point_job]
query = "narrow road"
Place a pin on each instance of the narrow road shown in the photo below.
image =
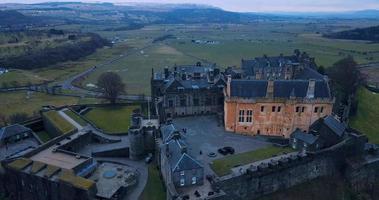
(68, 83)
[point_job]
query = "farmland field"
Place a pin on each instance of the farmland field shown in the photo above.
(135, 54)
(234, 42)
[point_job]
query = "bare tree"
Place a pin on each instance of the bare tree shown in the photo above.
(112, 85)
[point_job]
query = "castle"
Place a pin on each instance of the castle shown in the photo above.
(271, 96)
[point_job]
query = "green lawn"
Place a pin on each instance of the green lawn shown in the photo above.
(21, 102)
(44, 136)
(59, 122)
(367, 117)
(75, 117)
(154, 189)
(222, 166)
(111, 119)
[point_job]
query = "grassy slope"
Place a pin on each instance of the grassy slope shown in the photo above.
(154, 189)
(367, 117)
(115, 119)
(222, 166)
(22, 78)
(59, 122)
(16, 102)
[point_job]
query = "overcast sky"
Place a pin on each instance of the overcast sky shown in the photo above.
(257, 5)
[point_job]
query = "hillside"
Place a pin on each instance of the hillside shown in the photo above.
(12, 17)
(368, 34)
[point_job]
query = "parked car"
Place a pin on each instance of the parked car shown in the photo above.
(212, 154)
(222, 151)
(229, 150)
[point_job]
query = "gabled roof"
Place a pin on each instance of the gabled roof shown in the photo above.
(282, 88)
(169, 132)
(336, 126)
(305, 137)
(186, 162)
(178, 157)
(9, 131)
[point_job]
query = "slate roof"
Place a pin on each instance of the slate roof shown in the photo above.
(336, 126)
(12, 130)
(179, 158)
(168, 132)
(276, 64)
(282, 88)
(305, 137)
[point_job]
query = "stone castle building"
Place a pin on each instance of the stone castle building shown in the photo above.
(276, 96)
(188, 90)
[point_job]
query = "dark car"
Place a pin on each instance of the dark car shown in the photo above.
(222, 151)
(229, 150)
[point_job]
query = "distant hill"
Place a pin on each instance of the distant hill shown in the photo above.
(11, 17)
(368, 34)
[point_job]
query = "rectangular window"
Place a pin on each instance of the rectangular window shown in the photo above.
(182, 173)
(273, 108)
(249, 117)
(182, 182)
(241, 117)
(279, 108)
(297, 109)
(196, 102)
(194, 180)
(302, 109)
(262, 108)
(316, 110)
(321, 109)
(170, 103)
(183, 101)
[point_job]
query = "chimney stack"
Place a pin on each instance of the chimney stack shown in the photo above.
(270, 88)
(311, 89)
(228, 82)
(166, 72)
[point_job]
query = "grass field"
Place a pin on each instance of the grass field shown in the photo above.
(112, 119)
(235, 42)
(16, 78)
(21, 102)
(75, 117)
(367, 117)
(222, 166)
(154, 189)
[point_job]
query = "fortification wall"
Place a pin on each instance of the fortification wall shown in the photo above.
(289, 171)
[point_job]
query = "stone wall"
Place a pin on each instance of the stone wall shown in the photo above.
(273, 176)
(270, 121)
(24, 186)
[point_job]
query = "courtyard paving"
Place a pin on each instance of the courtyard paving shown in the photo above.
(203, 133)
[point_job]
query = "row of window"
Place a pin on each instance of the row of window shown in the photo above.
(315, 110)
(196, 102)
(245, 118)
(182, 179)
(247, 115)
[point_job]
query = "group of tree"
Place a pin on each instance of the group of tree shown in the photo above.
(52, 55)
(369, 34)
(345, 78)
